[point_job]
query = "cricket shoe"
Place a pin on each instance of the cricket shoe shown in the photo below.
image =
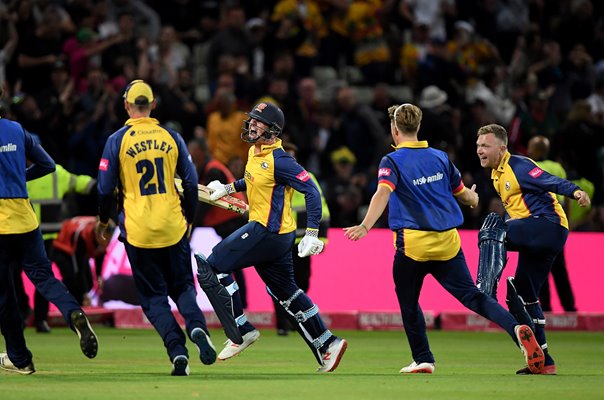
(331, 358)
(232, 349)
(535, 359)
(88, 340)
(421, 368)
(180, 366)
(7, 365)
(547, 370)
(207, 351)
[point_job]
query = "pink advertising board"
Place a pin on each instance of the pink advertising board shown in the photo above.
(357, 276)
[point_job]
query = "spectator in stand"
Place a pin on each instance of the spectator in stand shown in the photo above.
(433, 12)
(144, 16)
(471, 52)
(224, 129)
(370, 48)
(232, 40)
(438, 69)
(38, 50)
(302, 15)
(9, 39)
(359, 130)
(170, 55)
(343, 194)
(414, 51)
(130, 47)
(304, 120)
(539, 120)
(596, 99)
(436, 127)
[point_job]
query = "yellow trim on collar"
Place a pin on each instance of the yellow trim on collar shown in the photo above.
(420, 144)
(501, 167)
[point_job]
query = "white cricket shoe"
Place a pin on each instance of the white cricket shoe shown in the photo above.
(415, 368)
(331, 358)
(232, 349)
(7, 365)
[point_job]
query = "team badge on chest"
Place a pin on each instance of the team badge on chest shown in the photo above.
(507, 186)
(264, 165)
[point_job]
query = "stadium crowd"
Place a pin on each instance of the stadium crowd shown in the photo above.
(333, 66)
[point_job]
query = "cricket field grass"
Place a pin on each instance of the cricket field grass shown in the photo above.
(132, 364)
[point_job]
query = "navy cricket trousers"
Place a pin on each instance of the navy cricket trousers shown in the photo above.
(271, 254)
(454, 276)
(11, 323)
(163, 272)
(538, 241)
(27, 250)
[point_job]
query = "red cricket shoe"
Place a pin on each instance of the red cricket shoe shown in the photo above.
(547, 370)
(535, 359)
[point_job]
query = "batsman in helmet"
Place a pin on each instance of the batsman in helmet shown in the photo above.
(271, 176)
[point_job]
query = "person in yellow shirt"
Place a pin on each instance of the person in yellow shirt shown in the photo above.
(271, 176)
(224, 128)
(141, 160)
(537, 227)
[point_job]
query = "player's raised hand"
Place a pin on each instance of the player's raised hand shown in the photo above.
(582, 198)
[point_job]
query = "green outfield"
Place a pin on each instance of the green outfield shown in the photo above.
(132, 364)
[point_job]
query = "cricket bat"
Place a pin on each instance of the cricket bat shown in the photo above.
(227, 202)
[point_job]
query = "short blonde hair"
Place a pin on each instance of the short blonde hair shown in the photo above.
(497, 130)
(406, 117)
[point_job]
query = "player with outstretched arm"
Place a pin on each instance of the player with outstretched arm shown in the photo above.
(422, 188)
(537, 226)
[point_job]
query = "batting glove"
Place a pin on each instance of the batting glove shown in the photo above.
(310, 244)
(219, 190)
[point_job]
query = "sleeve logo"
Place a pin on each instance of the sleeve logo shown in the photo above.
(104, 164)
(535, 172)
(303, 176)
(384, 172)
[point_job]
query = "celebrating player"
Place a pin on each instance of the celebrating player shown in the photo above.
(422, 186)
(21, 243)
(141, 159)
(271, 176)
(537, 226)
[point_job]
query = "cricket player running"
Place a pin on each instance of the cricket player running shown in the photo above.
(21, 243)
(423, 188)
(141, 160)
(537, 227)
(271, 176)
